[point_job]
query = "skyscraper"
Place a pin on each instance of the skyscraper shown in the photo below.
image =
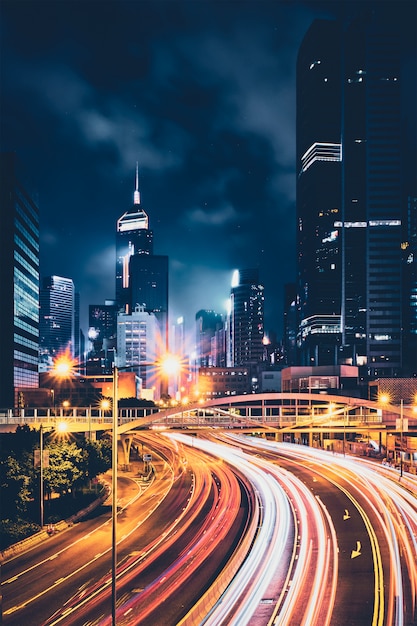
(208, 325)
(351, 194)
(19, 285)
(102, 333)
(148, 280)
(246, 319)
(138, 338)
(57, 319)
(133, 236)
(141, 276)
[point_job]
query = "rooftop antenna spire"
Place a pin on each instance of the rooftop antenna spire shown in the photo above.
(136, 195)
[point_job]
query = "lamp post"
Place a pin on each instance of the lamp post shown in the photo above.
(401, 435)
(41, 472)
(63, 369)
(114, 496)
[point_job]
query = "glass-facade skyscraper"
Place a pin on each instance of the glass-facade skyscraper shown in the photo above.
(133, 236)
(57, 319)
(19, 285)
(352, 196)
(246, 319)
(141, 275)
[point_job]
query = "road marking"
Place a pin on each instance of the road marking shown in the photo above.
(356, 552)
(346, 515)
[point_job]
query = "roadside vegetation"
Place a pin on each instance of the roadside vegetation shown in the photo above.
(70, 470)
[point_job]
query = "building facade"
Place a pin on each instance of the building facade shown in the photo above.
(133, 236)
(141, 276)
(217, 382)
(19, 284)
(148, 283)
(352, 197)
(138, 338)
(246, 319)
(57, 320)
(208, 351)
(102, 333)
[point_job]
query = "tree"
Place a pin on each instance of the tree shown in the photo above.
(66, 468)
(98, 454)
(15, 498)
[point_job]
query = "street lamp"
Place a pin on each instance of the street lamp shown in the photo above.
(401, 435)
(169, 364)
(114, 496)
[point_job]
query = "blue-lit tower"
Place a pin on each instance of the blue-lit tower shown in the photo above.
(19, 286)
(57, 320)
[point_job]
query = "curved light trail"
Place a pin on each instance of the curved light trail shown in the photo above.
(393, 507)
(287, 566)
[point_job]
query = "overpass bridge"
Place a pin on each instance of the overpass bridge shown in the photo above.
(320, 420)
(274, 412)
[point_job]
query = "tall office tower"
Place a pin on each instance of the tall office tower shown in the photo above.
(102, 331)
(56, 321)
(19, 285)
(137, 340)
(290, 324)
(177, 338)
(351, 193)
(132, 237)
(148, 286)
(409, 249)
(78, 334)
(246, 319)
(208, 323)
(218, 346)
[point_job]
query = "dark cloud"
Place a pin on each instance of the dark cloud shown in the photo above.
(201, 94)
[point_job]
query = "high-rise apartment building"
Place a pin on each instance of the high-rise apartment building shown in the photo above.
(133, 236)
(246, 319)
(351, 195)
(19, 284)
(57, 320)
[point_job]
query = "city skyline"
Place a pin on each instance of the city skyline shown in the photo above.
(202, 96)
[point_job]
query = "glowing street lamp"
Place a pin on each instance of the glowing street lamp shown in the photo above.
(63, 366)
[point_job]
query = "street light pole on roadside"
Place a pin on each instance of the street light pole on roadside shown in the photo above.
(114, 496)
(401, 435)
(63, 369)
(41, 473)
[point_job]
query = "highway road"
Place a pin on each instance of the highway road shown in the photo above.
(233, 530)
(356, 560)
(165, 532)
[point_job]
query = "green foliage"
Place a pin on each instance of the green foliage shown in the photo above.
(14, 486)
(98, 456)
(72, 465)
(66, 469)
(14, 530)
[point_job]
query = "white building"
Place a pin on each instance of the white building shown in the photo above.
(139, 347)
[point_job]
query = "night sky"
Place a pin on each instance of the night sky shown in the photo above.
(201, 94)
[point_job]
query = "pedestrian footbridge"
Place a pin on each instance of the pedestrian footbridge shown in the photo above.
(279, 413)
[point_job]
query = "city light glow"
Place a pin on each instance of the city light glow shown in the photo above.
(64, 366)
